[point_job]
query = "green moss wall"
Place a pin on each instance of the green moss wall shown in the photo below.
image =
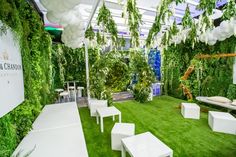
(35, 46)
(213, 77)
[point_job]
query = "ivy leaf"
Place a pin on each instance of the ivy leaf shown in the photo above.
(229, 10)
(89, 34)
(174, 29)
(122, 42)
(105, 18)
(207, 5)
(134, 21)
(187, 19)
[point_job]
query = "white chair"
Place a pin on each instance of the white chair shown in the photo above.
(79, 91)
(59, 90)
(120, 131)
(93, 104)
(222, 122)
(190, 110)
(65, 96)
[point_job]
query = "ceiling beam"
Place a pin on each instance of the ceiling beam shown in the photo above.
(96, 3)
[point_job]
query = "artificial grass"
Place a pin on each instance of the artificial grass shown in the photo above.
(162, 117)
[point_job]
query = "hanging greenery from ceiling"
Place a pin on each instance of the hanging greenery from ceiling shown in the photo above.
(192, 35)
(106, 20)
(174, 29)
(101, 39)
(89, 33)
(163, 13)
(193, 30)
(230, 10)
(122, 42)
(131, 12)
(187, 19)
(169, 34)
(207, 5)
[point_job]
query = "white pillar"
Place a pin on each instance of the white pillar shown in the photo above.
(234, 69)
(95, 5)
(87, 68)
(234, 73)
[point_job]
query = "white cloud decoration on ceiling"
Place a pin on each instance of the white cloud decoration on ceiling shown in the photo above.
(67, 14)
(225, 30)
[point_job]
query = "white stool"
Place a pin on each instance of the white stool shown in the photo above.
(222, 122)
(120, 131)
(190, 110)
(94, 104)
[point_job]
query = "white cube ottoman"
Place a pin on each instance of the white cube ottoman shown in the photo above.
(222, 122)
(120, 131)
(190, 110)
(94, 104)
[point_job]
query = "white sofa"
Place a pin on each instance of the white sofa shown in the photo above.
(222, 122)
(229, 105)
(57, 132)
(93, 104)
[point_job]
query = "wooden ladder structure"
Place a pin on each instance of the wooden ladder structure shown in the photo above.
(191, 68)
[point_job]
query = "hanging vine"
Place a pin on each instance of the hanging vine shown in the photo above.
(229, 10)
(187, 19)
(134, 21)
(192, 35)
(89, 33)
(168, 35)
(100, 39)
(207, 5)
(122, 42)
(163, 13)
(106, 20)
(191, 28)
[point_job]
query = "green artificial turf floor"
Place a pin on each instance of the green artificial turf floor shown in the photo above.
(162, 117)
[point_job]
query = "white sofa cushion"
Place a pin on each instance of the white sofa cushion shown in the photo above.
(234, 103)
(219, 99)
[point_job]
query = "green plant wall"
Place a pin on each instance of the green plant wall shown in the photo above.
(69, 64)
(213, 77)
(110, 72)
(35, 46)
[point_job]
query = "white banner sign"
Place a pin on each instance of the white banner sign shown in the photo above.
(11, 73)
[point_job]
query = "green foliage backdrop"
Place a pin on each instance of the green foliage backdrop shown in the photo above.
(109, 72)
(214, 76)
(35, 46)
(70, 64)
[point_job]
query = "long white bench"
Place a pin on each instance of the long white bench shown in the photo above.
(57, 116)
(56, 132)
(225, 105)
